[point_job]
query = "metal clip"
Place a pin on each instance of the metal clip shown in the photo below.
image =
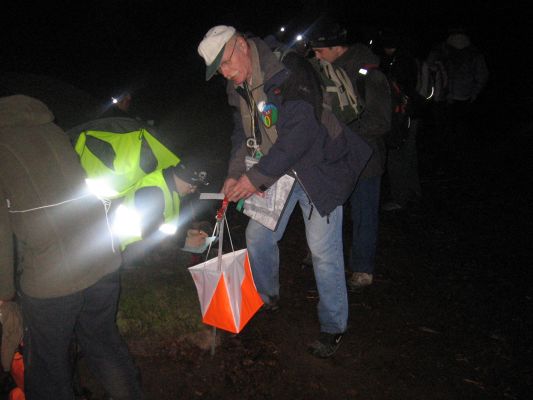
(251, 143)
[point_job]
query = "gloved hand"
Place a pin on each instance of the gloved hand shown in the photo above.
(195, 238)
(11, 320)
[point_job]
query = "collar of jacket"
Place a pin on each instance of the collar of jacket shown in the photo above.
(265, 65)
(356, 57)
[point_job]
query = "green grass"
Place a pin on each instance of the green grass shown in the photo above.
(159, 302)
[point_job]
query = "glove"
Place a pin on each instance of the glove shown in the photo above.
(195, 238)
(11, 320)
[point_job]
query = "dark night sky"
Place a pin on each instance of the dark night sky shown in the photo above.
(98, 45)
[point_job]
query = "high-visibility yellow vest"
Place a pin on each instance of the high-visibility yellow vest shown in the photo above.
(127, 147)
(130, 213)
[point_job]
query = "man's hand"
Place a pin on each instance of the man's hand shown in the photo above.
(195, 238)
(228, 186)
(242, 189)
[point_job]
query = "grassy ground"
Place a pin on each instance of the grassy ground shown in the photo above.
(159, 301)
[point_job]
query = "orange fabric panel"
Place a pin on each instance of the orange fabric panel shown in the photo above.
(17, 370)
(17, 394)
(219, 312)
(251, 301)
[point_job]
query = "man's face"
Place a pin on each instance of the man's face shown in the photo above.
(236, 63)
(329, 54)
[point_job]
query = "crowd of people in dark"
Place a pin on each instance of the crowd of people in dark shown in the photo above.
(328, 121)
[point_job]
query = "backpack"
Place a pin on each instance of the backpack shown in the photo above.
(432, 80)
(339, 93)
(401, 108)
(425, 84)
(340, 97)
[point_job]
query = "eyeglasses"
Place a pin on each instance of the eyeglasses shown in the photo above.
(228, 61)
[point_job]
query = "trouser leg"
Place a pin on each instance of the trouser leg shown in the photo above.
(49, 326)
(103, 348)
(324, 237)
(364, 204)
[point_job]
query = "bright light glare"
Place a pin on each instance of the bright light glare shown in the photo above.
(127, 222)
(114, 100)
(101, 188)
(299, 38)
(282, 29)
(168, 229)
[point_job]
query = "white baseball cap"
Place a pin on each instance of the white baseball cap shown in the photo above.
(211, 48)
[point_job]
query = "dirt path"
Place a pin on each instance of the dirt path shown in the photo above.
(447, 317)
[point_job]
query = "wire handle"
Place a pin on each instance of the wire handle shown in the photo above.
(219, 229)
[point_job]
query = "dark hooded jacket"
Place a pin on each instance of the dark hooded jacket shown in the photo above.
(63, 241)
(375, 121)
(326, 161)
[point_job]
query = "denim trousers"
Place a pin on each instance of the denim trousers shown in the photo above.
(324, 237)
(89, 315)
(364, 203)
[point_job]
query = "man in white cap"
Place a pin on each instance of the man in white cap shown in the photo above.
(278, 121)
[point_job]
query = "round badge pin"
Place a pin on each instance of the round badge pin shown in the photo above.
(269, 114)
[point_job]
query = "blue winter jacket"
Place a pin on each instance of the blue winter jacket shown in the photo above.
(325, 156)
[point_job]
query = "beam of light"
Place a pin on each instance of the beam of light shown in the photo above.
(299, 37)
(114, 100)
(101, 188)
(168, 228)
(127, 222)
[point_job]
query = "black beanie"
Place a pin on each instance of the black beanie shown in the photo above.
(329, 35)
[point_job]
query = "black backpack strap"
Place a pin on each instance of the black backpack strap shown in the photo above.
(303, 82)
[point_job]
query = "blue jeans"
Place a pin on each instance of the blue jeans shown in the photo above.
(364, 202)
(50, 325)
(324, 237)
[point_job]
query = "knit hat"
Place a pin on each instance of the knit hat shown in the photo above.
(212, 47)
(190, 175)
(329, 35)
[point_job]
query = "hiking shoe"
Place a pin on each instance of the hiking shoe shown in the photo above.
(326, 345)
(272, 305)
(391, 206)
(359, 280)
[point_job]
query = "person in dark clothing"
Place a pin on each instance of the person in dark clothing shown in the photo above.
(69, 282)
(402, 163)
(156, 200)
(330, 44)
(467, 76)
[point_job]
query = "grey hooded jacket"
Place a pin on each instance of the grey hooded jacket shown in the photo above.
(62, 238)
